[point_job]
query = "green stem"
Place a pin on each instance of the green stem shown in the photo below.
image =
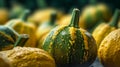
(115, 18)
(75, 18)
(25, 15)
(53, 17)
(22, 38)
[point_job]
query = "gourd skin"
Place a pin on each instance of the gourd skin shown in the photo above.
(109, 50)
(101, 32)
(8, 37)
(69, 45)
(24, 28)
(28, 57)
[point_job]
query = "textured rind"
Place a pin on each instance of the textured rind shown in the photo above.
(68, 45)
(24, 28)
(101, 32)
(109, 50)
(29, 57)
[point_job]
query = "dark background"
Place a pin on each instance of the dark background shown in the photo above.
(65, 5)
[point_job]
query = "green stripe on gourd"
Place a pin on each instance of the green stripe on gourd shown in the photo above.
(8, 38)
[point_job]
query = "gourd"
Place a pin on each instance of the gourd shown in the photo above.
(71, 45)
(28, 57)
(8, 38)
(23, 27)
(91, 14)
(104, 29)
(109, 50)
(45, 28)
(43, 15)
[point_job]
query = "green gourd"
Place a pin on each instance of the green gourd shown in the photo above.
(71, 45)
(10, 38)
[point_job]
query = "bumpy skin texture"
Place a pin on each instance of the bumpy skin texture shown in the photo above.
(4, 62)
(101, 31)
(24, 28)
(109, 50)
(29, 57)
(70, 45)
(7, 38)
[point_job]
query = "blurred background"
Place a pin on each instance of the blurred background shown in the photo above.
(65, 5)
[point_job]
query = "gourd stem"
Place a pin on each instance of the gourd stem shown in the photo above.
(115, 18)
(53, 17)
(75, 18)
(25, 15)
(22, 38)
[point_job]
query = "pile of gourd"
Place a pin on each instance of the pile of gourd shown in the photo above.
(50, 38)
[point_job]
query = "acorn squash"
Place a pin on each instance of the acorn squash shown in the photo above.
(70, 45)
(22, 27)
(109, 50)
(45, 28)
(104, 29)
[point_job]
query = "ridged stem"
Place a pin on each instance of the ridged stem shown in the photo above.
(115, 18)
(75, 18)
(22, 39)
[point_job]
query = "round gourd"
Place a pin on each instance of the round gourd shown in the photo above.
(104, 29)
(29, 57)
(22, 27)
(45, 28)
(70, 45)
(109, 50)
(91, 14)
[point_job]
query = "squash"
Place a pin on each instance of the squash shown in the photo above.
(70, 45)
(109, 50)
(45, 28)
(22, 27)
(29, 57)
(93, 13)
(104, 29)
(8, 38)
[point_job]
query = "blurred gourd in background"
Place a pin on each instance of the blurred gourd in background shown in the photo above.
(4, 13)
(45, 28)
(104, 28)
(42, 15)
(93, 13)
(21, 26)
